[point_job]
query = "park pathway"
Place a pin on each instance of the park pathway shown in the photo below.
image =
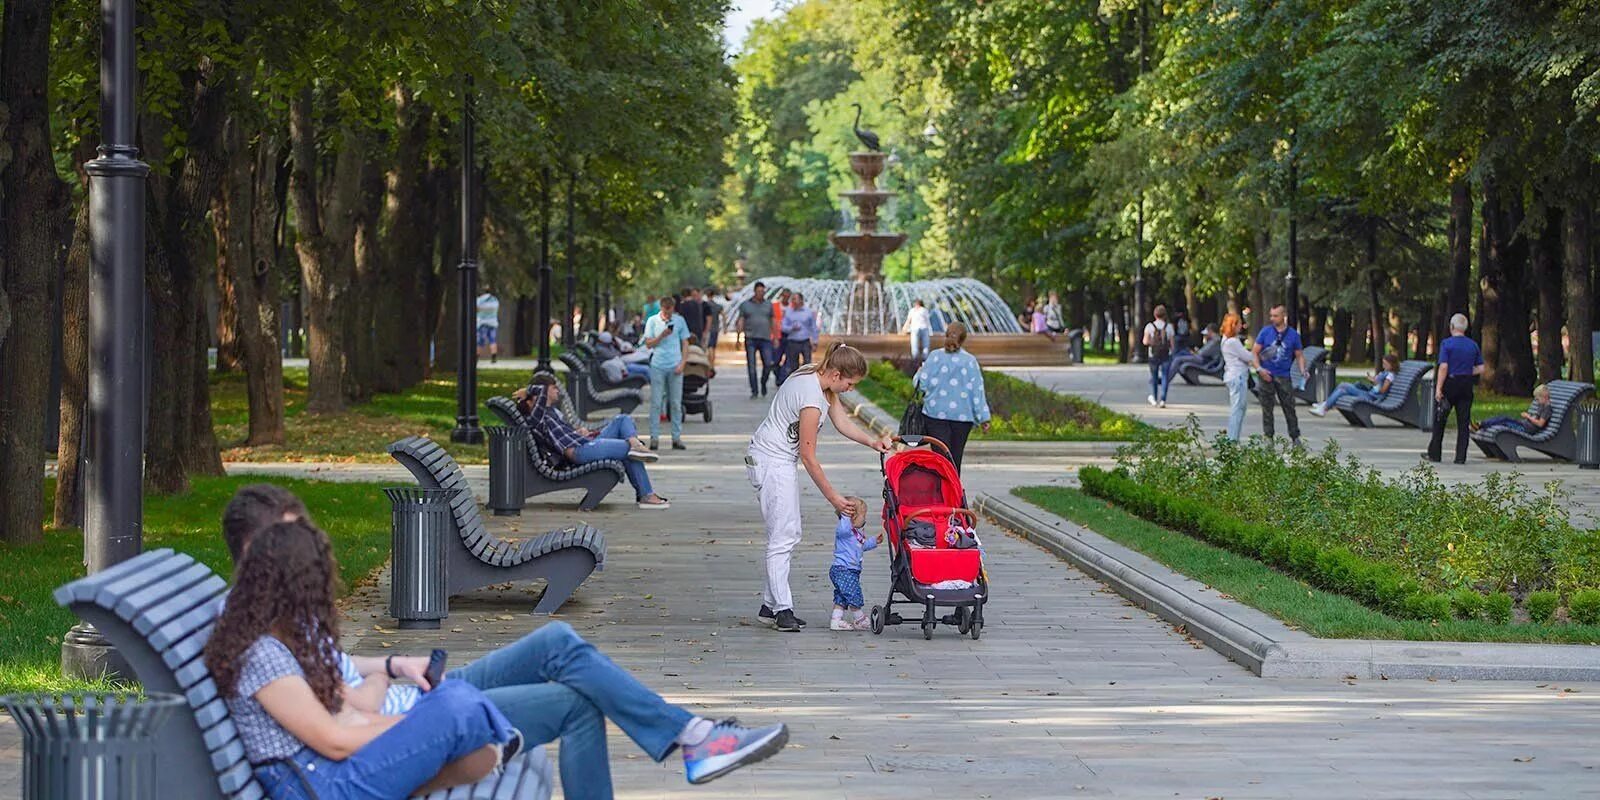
(1071, 692)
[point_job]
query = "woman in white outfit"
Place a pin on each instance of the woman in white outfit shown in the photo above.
(1236, 366)
(789, 435)
(920, 328)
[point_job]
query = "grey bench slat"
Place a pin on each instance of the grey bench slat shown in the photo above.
(85, 589)
(183, 627)
(211, 713)
(237, 779)
(195, 594)
(111, 594)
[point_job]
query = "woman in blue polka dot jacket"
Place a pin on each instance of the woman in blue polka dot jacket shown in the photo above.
(952, 384)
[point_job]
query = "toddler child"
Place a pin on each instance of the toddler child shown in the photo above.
(849, 542)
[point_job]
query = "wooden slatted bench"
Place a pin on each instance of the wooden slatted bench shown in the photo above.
(1401, 404)
(563, 558)
(592, 359)
(158, 609)
(590, 396)
(544, 472)
(1558, 438)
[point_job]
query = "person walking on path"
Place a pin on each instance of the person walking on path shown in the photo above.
(953, 398)
(1276, 350)
(1460, 364)
(1236, 365)
(755, 322)
(919, 328)
(779, 344)
(1160, 341)
(489, 326)
(713, 310)
(788, 435)
(799, 335)
(693, 312)
(668, 339)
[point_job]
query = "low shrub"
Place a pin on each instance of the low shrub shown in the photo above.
(1466, 603)
(1584, 607)
(1497, 608)
(1541, 606)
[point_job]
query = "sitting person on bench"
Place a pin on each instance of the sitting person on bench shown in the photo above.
(617, 440)
(551, 684)
(273, 657)
(1529, 423)
(1381, 381)
(608, 349)
(1208, 357)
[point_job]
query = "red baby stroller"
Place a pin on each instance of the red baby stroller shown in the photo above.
(934, 555)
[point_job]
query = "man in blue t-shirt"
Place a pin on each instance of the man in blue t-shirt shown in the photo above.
(667, 336)
(1277, 350)
(1460, 364)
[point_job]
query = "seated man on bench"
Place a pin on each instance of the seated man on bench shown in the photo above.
(618, 440)
(1381, 381)
(550, 684)
(1529, 423)
(1207, 357)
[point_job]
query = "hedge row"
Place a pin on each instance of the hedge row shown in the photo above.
(1333, 568)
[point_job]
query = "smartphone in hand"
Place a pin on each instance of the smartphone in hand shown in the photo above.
(435, 671)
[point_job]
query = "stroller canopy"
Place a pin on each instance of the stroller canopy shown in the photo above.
(919, 478)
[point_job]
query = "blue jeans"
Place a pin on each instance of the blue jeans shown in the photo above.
(612, 443)
(639, 368)
(752, 347)
(1349, 390)
(1238, 396)
(919, 343)
(447, 723)
(666, 390)
(553, 685)
(1508, 422)
(1158, 377)
(796, 353)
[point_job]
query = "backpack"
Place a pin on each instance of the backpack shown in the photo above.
(1162, 346)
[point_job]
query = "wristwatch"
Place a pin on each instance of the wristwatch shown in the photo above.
(388, 667)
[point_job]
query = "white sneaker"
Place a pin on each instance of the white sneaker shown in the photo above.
(862, 623)
(1163, 404)
(644, 456)
(1319, 410)
(660, 504)
(1151, 399)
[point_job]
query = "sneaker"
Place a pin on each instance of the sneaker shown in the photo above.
(842, 624)
(763, 390)
(1319, 410)
(1161, 404)
(644, 455)
(786, 621)
(730, 746)
(1426, 457)
(1151, 399)
(660, 504)
(678, 445)
(655, 444)
(753, 395)
(862, 623)
(766, 616)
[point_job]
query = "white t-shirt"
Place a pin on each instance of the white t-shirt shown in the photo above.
(1236, 359)
(488, 311)
(916, 319)
(777, 438)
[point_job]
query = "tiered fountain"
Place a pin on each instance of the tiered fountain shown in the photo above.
(868, 313)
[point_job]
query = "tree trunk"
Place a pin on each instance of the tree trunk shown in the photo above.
(1460, 253)
(228, 347)
(447, 334)
(1547, 273)
(1316, 324)
(1580, 325)
(74, 360)
(401, 336)
(33, 218)
(368, 266)
(1344, 328)
(1375, 334)
(246, 217)
(1507, 352)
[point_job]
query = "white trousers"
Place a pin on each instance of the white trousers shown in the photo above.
(777, 488)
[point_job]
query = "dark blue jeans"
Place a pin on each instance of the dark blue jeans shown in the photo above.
(447, 723)
(612, 443)
(554, 685)
(752, 347)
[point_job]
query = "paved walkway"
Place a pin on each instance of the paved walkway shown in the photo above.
(1390, 447)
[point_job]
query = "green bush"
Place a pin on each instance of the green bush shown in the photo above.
(1541, 606)
(1466, 603)
(1497, 608)
(1432, 607)
(1584, 607)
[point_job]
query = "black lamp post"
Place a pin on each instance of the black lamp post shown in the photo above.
(569, 333)
(543, 330)
(114, 503)
(467, 429)
(1291, 281)
(1136, 330)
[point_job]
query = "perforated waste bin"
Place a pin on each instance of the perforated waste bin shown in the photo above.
(90, 746)
(1588, 425)
(1426, 407)
(1075, 345)
(1323, 378)
(421, 522)
(508, 452)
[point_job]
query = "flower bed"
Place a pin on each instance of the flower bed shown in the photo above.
(1414, 547)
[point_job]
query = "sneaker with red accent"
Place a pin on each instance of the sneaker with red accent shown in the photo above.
(730, 746)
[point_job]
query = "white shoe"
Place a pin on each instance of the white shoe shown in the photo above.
(862, 623)
(842, 624)
(1151, 399)
(1163, 404)
(1319, 410)
(660, 504)
(644, 455)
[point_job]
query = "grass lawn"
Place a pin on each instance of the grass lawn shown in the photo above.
(359, 434)
(355, 515)
(1022, 411)
(1253, 583)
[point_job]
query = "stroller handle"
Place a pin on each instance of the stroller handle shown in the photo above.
(914, 441)
(972, 517)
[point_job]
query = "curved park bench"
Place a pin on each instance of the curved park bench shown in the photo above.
(1193, 371)
(1401, 404)
(563, 558)
(1316, 361)
(1557, 439)
(158, 609)
(544, 472)
(589, 396)
(591, 357)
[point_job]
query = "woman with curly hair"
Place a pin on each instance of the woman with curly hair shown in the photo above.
(274, 656)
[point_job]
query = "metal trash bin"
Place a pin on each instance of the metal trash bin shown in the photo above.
(90, 746)
(1324, 376)
(1425, 403)
(508, 452)
(1588, 427)
(1075, 345)
(422, 520)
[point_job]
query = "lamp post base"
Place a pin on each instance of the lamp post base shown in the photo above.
(467, 432)
(87, 656)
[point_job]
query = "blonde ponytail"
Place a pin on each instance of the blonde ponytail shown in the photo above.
(839, 356)
(955, 335)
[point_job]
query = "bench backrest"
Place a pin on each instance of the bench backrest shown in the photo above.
(539, 456)
(158, 609)
(1314, 356)
(1564, 395)
(435, 469)
(1405, 381)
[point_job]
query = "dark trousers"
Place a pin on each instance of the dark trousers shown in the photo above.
(796, 353)
(753, 346)
(1457, 391)
(1278, 392)
(953, 434)
(780, 345)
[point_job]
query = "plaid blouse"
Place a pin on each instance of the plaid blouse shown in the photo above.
(553, 429)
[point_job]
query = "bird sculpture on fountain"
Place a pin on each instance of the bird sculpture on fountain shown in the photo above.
(867, 137)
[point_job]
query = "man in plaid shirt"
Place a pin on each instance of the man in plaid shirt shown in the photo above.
(618, 440)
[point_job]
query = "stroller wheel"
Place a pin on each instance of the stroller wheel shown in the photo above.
(963, 619)
(707, 413)
(977, 628)
(927, 630)
(877, 619)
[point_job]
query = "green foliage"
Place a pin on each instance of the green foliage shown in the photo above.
(1497, 608)
(1467, 604)
(1541, 606)
(1583, 607)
